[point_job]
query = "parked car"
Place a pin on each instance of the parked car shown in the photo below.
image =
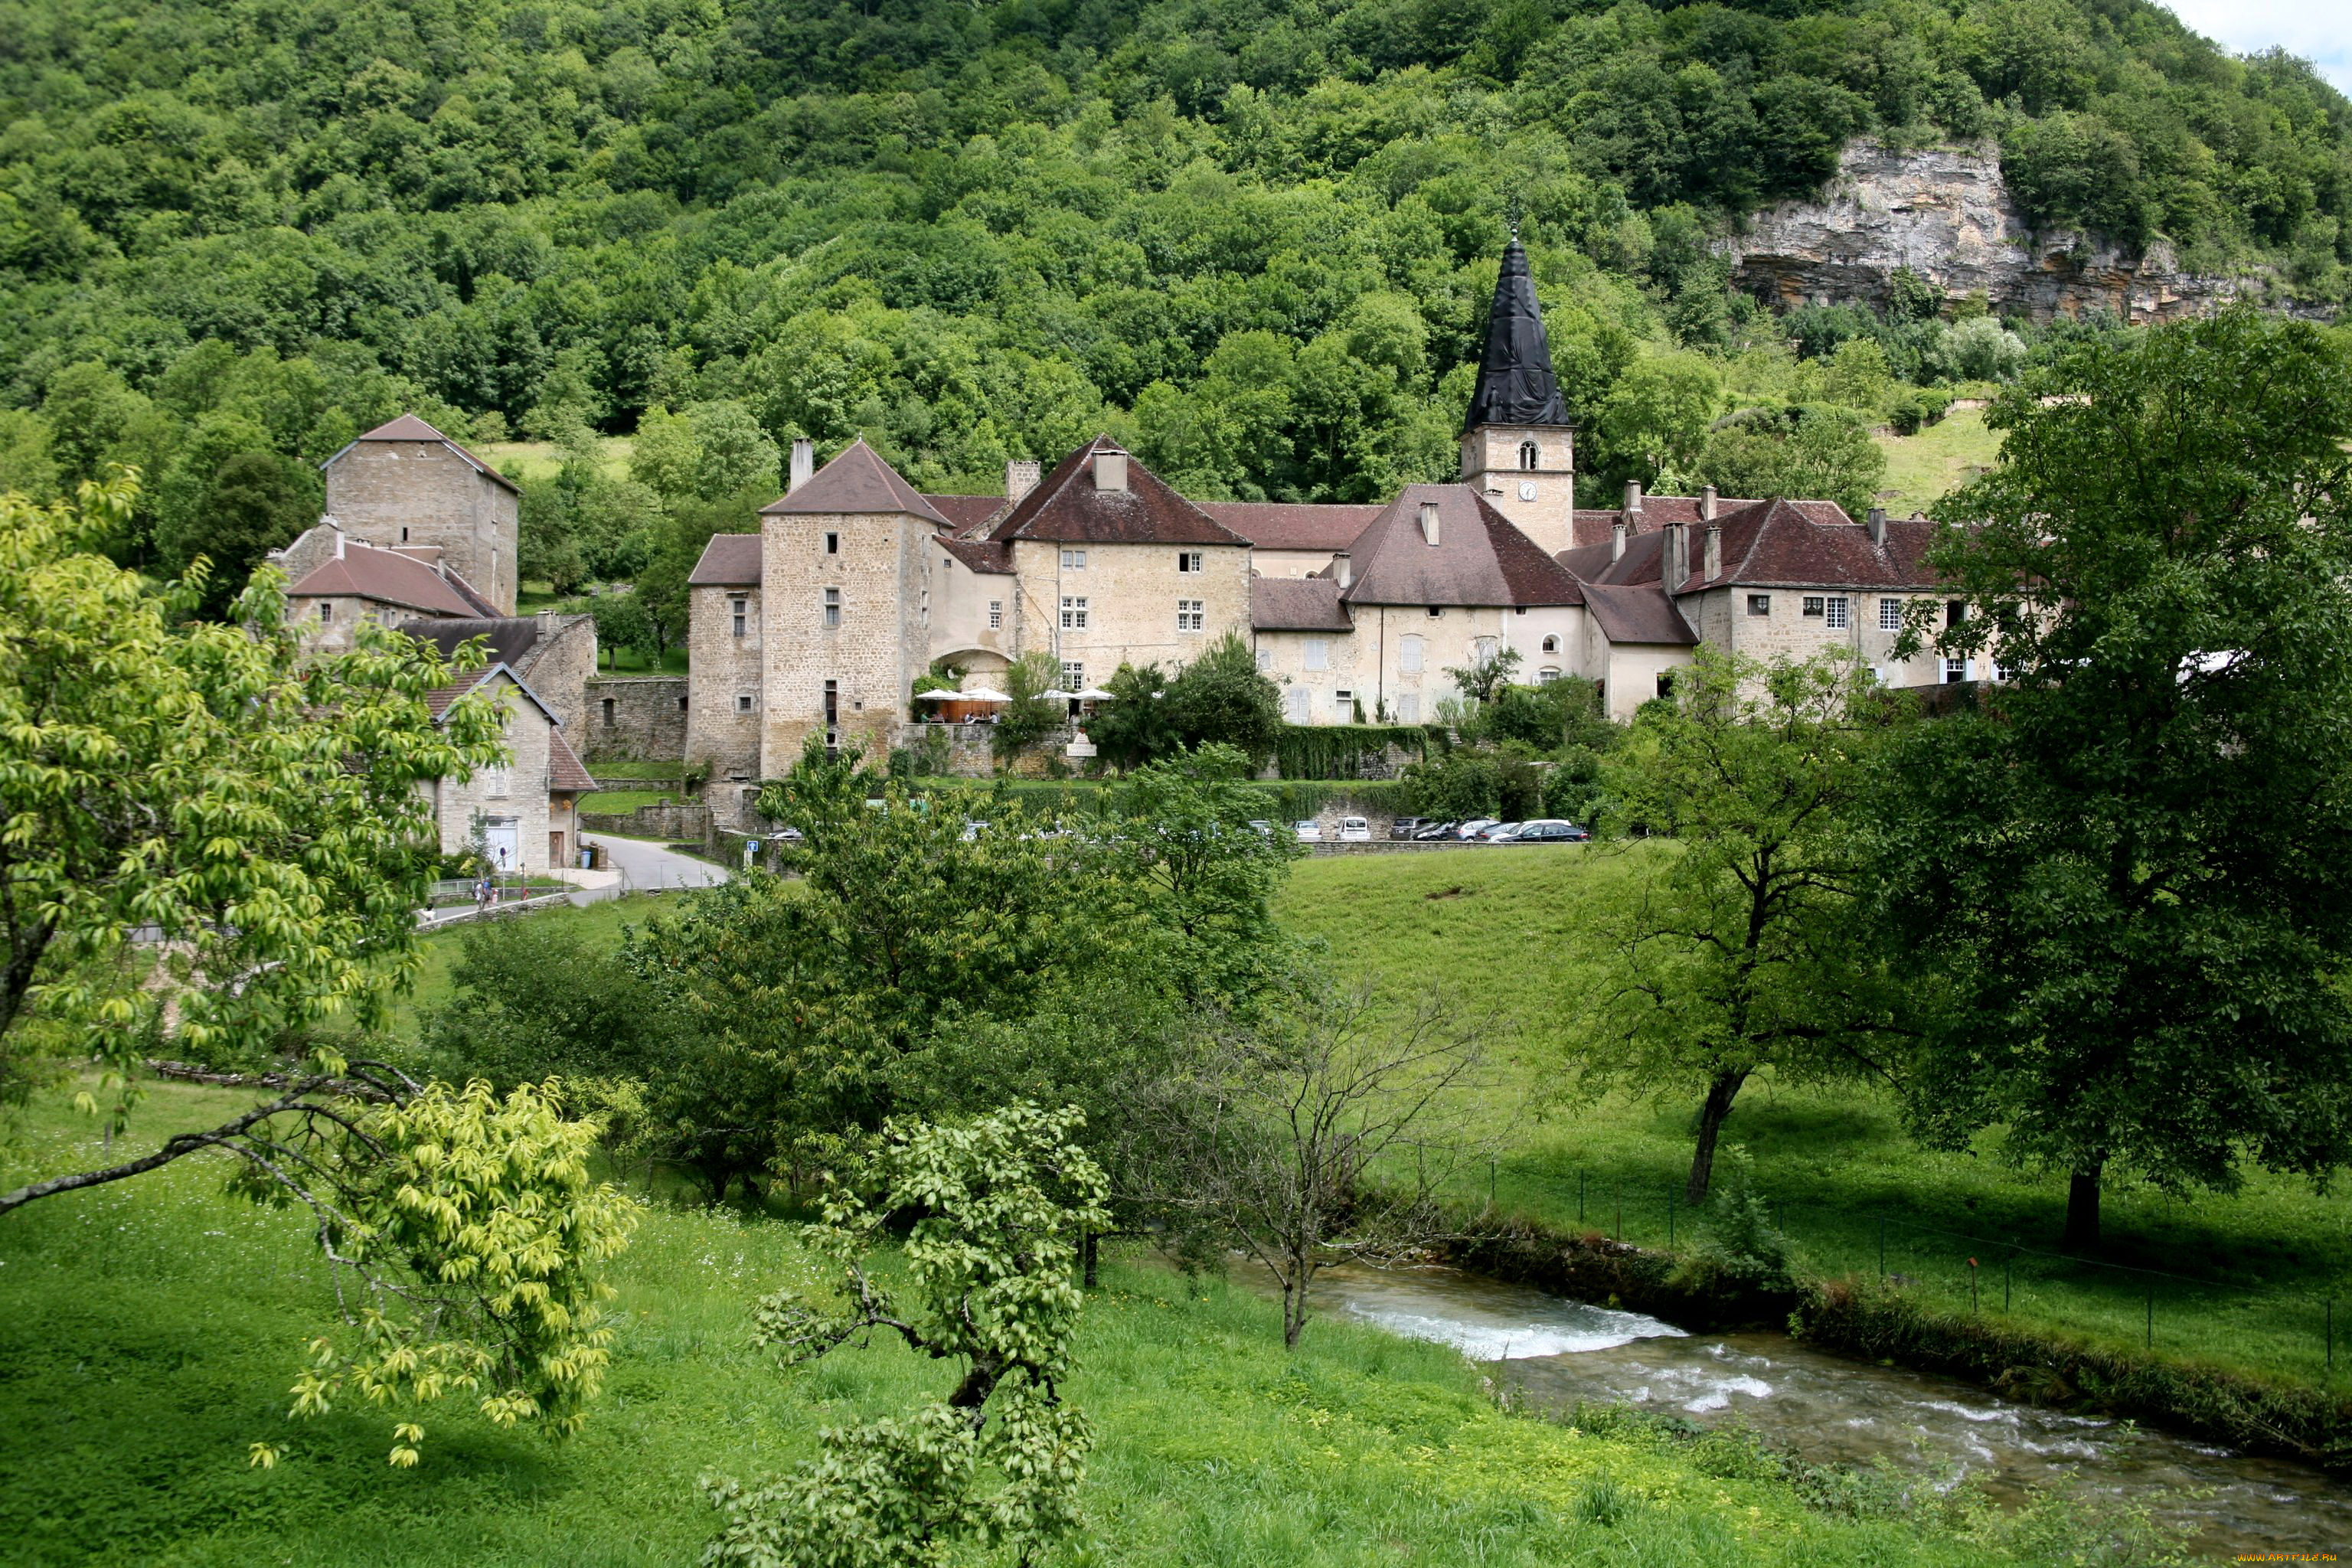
(1472, 826)
(1354, 830)
(1436, 830)
(1492, 832)
(1544, 830)
(1310, 832)
(1410, 827)
(1261, 826)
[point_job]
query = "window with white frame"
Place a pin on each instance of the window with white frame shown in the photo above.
(1191, 615)
(497, 782)
(1547, 675)
(996, 614)
(1815, 604)
(1890, 615)
(1834, 612)
(1293, 701)
(326, 611)
(1074, 675)
(742, 702)
(1483, 649)
(1409, 654)
(1955, 669)
(1074, 560)
(1189, 560)
(1319, 653)
(1408, 706)
(1550, 643)
(739, 611)
(1074, 614)
(832, 606)
(1343, 706)
(1759, 604)
(1264, 658)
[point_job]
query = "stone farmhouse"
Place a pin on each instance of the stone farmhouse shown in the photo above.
(855, 584)
(420, 536)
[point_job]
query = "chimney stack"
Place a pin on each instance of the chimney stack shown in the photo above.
(1706, 503)
(1110, 469)
(803, 462)
(1343, 568)
(1617, 532)
(1713, 556)
(1673, 553)
(340, 537)
(1429, 522)
(1632, 497)
(1879, 525)
(1021, 477)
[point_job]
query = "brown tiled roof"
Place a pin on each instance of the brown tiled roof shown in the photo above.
(966, 513)
(1067, 507)
(409, 428)
(362, 572)
(981, 554)
(564, 771)
(1479, 557)
(728, 561)
(1638, 613)
(857, 480)
(511, 637)
(1293, 525)
(1592, 525)
(1296, 604)
(1778, 543)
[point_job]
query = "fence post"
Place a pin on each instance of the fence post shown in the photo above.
(1670, 1217)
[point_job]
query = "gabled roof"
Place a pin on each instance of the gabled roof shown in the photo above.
(387, 577)
(966, 513)
(986, 555)
(1774, 544)
(1293, 525)
(564, 770)
(511, 637)
(441, 699)
(1067, 507)
(857, 481)
(1479, 557)
(1593, 525)
(1296, 604)
(728, 561)
(1638, 613)
(1516, 385)
(409, 428)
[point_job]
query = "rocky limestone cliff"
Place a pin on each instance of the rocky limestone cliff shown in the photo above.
(1946, 213)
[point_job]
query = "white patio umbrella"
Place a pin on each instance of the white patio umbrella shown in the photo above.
(977, 694)
(1095, 694)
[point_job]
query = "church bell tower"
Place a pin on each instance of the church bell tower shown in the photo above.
(1518, 448)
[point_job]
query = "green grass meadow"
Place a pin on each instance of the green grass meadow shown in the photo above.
(1941, 457)
(149, 1332)
(1498, 933)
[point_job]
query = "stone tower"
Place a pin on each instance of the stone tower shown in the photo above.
(406, 486)
(844, 607)
(1518, 448)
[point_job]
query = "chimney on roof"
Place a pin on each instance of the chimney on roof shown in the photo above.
(1713, 556)
(340, 537)
(1343, 569)
(803, 462)
(1632, 497)
(1429, 522)
(1706, 503)
(1879, 525)
(1617, 541)
(1021, 477)
(1672, 552)
(1110, 469)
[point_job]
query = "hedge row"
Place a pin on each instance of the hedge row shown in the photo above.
(1347, 751)
(1288, 800)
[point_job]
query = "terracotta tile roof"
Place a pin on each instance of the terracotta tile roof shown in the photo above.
(1638, 613)
(728, 561)
(1065, 505)
(1293, 525)
(564, 771)
(1296, 604)
(966, 514)
(981, 554)
(1778, 543)
(1592, 525)
(1479, 558)
(388, 577)
(409, 428)
(857, 481)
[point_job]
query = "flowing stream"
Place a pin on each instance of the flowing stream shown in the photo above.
(1828, 1409)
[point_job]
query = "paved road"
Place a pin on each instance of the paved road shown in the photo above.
(644, 865)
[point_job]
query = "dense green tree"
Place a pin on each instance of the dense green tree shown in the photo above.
(1134, 727)
(1814, 452)
(254, 503)
(1221, 699)
(2123, 873)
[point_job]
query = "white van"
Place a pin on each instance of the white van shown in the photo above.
(1354, 830)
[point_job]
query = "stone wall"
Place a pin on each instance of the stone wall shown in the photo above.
(720, 729)
(515, 792)
(1131, 590)
(881, 570)
(641, 716)
(422, 493)
(968, 755)
(1946, 213)
(560, 666)
(674, 822)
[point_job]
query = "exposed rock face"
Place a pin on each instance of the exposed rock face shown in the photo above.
(1946, 214)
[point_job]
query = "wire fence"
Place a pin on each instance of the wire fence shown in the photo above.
(2281, 1332)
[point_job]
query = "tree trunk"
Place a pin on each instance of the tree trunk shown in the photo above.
(1090, 1258)
(1721, 1092)
(2083, 1209)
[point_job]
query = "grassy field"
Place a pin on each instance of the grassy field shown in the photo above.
(1498, 931)
(1941, 457)
(149, 1330)
(624, 800)
(540, 459)
(659, 770)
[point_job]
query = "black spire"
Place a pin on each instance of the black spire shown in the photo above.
(1516, 385)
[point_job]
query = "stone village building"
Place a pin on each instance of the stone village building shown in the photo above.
(420, 536)
(855, 584)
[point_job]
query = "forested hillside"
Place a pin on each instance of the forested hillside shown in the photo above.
(1254, 236)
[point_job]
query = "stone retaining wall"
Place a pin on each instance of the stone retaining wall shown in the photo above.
(673, 823)
(645, 718)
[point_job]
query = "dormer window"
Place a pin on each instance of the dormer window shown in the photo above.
(1529, 455)
(1429, 522)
